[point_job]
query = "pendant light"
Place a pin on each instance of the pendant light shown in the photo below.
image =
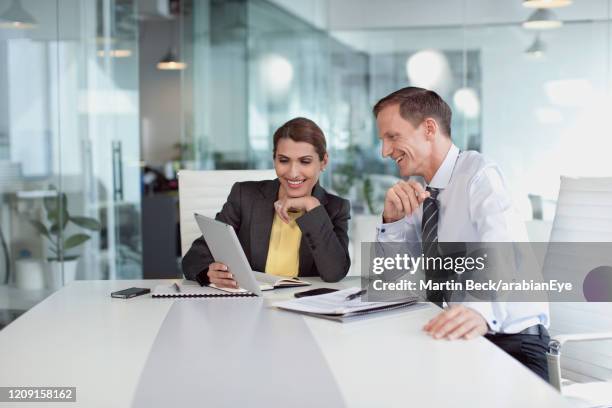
(17, 17)
(170, 62)
(546, 3)
(537, 48)
(542, 19)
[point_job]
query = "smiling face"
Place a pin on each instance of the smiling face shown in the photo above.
(297, 166)
(409, 146)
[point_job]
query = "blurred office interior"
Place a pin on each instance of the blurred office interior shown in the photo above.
(103, 101)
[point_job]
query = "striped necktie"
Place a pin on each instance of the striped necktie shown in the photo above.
(429, 228)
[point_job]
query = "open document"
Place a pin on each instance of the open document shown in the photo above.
(268, 282)
(339, 305)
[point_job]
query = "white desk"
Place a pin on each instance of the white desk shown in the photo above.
(21, 299)
(81, 337)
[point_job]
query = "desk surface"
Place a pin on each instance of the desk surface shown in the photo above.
(13, 298)
(136, 352)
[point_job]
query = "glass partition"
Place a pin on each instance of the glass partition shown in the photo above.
(69, 147)
(533, 101)
(522, 102)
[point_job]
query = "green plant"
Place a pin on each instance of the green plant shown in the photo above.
(184, 151)
(344, 177)
(346, 174)
(58, 219)
(368, 193)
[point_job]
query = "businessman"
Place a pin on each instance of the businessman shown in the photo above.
(464, 200)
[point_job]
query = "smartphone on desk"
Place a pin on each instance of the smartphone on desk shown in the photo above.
(314, 292)
(130, 293)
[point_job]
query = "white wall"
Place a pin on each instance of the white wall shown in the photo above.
(533, 150)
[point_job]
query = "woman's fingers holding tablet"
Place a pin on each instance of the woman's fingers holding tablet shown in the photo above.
(218, 266)
(219, 274)
(222, 282)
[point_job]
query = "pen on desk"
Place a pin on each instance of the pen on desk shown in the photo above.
(355, 295)
(177, 287)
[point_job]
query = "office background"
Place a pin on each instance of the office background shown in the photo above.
(102, 101)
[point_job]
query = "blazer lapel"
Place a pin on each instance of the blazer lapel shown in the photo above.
(262, 218)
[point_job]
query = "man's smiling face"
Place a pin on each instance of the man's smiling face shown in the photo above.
(407, 145)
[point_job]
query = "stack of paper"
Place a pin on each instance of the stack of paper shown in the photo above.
(335, 305)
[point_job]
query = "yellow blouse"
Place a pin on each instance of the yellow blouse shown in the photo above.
(284, 250)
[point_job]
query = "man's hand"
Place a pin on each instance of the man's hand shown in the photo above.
(305, 203)
(457, 322)
(403, 199)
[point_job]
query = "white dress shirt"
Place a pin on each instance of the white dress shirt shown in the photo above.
(474, 206)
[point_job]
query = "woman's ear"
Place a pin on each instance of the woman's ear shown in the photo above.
(324, 162)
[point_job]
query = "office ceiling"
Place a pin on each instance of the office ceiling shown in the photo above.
(382, 26)
(346, 15)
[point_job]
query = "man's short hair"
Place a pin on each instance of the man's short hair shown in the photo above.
(417, 104)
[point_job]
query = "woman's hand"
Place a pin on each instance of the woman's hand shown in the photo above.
(305, 203)
(219, 274)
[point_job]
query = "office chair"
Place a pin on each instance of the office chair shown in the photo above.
(205, 192)
(584, 214)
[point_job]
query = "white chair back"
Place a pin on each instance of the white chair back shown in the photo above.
(584, 210)
(584, 214)
(205, 192)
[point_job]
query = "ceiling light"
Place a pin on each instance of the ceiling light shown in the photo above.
(542, 19)
(537, 48)
(276, 73)
(16, 17)
(102, 40)
(115, 53)
(427, 69)
(171, 63)
(546, 3)
(466, 101)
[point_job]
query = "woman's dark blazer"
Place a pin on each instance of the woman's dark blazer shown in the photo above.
(250, 210)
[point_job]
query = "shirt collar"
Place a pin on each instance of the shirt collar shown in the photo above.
(445, 171)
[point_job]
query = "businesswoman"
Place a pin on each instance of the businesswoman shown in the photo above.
(289, 226)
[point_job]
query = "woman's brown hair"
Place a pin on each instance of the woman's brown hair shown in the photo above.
(302, 130)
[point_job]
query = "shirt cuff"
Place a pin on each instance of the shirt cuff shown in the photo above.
(486, 311)
(392, 231)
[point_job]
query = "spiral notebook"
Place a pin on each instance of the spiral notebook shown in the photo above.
(193, 290)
